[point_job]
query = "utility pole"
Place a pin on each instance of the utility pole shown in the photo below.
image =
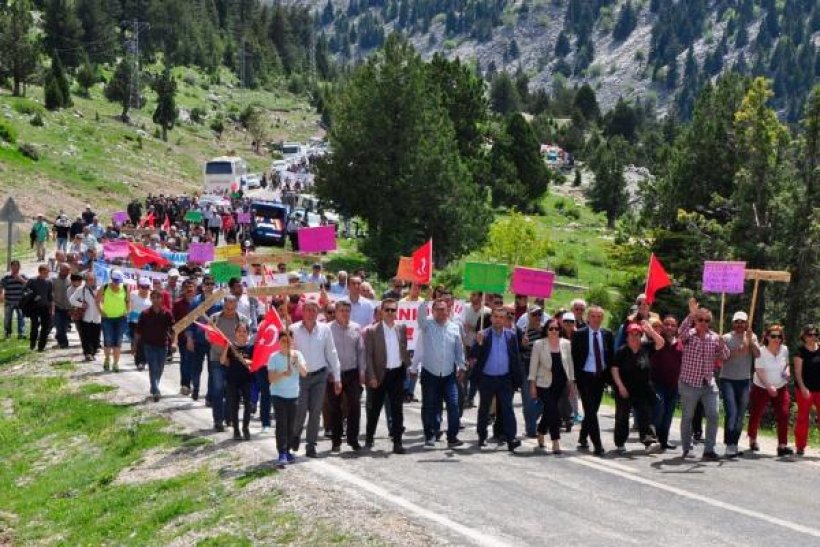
(133, 46)
(242, 82)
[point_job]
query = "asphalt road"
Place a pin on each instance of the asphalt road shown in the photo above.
(491, 497)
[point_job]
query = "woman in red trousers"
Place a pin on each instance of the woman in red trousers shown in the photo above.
(771, 385)
(807, 377)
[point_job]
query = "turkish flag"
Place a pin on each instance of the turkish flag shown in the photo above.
(423, 263)
(267, 340)
(167, 224)
(141, 255)
(215, 336)
(148, 219)
(656, 279)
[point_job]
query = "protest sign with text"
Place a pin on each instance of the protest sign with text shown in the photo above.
(723, 277)
(532, 282)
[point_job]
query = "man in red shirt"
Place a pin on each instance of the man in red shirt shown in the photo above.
(154, 332)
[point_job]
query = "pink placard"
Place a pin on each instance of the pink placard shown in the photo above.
(243, 218)
(201, 253)
(724, 277)
(120, 217)
(317, 240)
(532, 282)
(115, 249)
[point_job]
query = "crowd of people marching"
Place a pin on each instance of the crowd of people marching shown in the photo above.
(347, 342)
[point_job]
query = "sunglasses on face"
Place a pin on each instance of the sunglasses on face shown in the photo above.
(739, 322)
(812, 334)
(390, 310)
(554, 329)
(209, 283)
(775, 336)
(707, 321)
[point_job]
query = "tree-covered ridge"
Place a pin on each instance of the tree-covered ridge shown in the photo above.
(261, 43)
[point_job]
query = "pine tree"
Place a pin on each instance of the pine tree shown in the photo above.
(562, 47)
(587, 103)
(627, 21)
(18, 51)
(118, 89)
(57, 91)
(504, 97)
(607, 194)
(87, 76)
(62, 32)
(166, 112)
(389, 104)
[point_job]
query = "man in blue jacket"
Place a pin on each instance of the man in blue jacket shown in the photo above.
(499, 375)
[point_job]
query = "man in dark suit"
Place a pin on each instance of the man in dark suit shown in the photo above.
(387, 361)
(592, 351)
(499, 375)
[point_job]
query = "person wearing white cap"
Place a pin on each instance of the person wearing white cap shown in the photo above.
(173, 287)
(140, 301)
(114, 304)
(735, 377)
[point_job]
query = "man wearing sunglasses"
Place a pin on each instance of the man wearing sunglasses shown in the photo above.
(701, 348)
(387, 360)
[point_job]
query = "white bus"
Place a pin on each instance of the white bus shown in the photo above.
(223, 174)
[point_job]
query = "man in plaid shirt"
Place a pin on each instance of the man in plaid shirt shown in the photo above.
(702, 348)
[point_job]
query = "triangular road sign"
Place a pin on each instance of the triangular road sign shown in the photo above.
(10, 212)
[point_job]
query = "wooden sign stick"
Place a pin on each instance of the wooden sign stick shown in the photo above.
(765, 275)
(197, 312)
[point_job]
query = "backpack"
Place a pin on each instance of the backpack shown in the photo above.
(29, 302)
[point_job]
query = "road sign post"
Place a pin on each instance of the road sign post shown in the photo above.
(10, 214)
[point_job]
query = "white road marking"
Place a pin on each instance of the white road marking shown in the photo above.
(698, 497)
(476, 536)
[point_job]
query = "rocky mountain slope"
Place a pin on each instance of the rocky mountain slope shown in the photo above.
(629, 48)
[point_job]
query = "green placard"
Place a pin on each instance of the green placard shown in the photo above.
(479, 276)
(224, 271)
(193, 216)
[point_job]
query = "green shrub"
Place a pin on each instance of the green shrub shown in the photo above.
(27, 106)
(197, 114)
(7, 132)
(577, 180)
(36, 121)
(600, 296)
(572, 212)
(560, 204)
(29, 151)
(566, 266)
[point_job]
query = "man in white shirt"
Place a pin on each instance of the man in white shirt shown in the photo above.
(361, 309)
(387, 360)
(315, 341)
(347, 337)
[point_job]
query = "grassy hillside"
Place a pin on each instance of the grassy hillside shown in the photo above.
(88, 155)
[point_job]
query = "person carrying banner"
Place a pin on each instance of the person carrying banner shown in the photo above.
(153, 332)
(226, 321)
(735, 375)
(236, 358)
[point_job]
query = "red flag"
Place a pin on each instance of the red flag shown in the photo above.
(215, 336)
(423, 263)
(141, 255)
(656, 279)
(147, 219)
(267, 340)
(167, 224)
